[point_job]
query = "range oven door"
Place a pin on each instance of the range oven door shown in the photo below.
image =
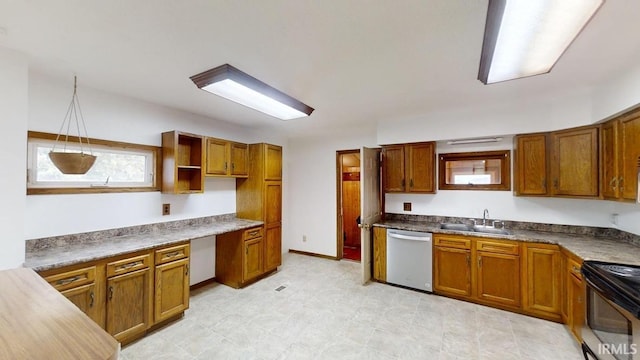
(609, 332)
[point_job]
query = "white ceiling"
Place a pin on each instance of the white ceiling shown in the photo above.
(354, 61)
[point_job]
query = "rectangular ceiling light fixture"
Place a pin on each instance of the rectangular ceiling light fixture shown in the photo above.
(237, 86)
(474, 141)
(526, 37)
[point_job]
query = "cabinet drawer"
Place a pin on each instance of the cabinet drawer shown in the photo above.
(128, 265)
(71, 279)
(172, 253)
(252, 233)
(452, 242)
(498, 247)
(574, 268)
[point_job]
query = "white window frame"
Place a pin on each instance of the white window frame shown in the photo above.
(38, 140)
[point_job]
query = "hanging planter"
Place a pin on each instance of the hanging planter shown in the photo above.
(67, 162)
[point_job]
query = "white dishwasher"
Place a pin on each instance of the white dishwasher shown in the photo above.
(409, 259)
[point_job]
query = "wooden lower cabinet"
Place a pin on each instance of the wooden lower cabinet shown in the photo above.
(272, 247)
(498, 278)
(452, 271)
(120, 293)
(576, 293)
(380, 254)
(240, 257)
(542, 280)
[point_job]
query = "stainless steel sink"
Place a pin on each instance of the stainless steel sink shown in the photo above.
(490, 230)
(474, 228)
(457, 227)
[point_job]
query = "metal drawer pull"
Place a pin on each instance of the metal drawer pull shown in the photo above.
(479, 261)
(575, 269)
(68, 280)
(253, 233)
(173, 254)
(187, 272)
(110, 292)
(130, 265)
(92, 297)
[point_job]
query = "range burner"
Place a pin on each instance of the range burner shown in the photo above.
(621, 270)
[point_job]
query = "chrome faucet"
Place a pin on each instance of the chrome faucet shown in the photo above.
(485, 215)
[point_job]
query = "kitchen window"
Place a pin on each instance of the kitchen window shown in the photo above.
(119, 167)
(486, 170)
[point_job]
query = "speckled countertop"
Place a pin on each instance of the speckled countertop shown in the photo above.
(56, 252)
(602, 247)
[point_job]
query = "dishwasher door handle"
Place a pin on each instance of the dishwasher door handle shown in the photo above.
(408, 237)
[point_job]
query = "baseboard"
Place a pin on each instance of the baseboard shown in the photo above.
(202, 284)
(313, 254)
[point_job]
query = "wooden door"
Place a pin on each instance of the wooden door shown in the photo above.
(172, 289)
(420, 162)
(128, 304)
(498, 278)
(452, 271)
(252, 259)
(393, 168)
(609, 151)
(629, 153)
(576, 306)
(574, 165)
(272, 162)
(84, 297)
(239, 155)
(371, 208)
(217, 157)
(272, 247)
(543, 274)
(531, 164)
(350, 212)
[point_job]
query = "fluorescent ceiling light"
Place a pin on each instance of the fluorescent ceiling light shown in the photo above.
(527, 37)
(237, 86)
(474, 141)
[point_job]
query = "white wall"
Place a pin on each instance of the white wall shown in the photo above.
(311, 189)
(13, 116)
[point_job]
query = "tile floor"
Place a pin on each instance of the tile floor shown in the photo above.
(324, 313)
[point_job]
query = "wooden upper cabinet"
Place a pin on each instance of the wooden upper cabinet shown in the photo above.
(609, 151)
(409, 168)
(393, 168)
(226, 158)
(574, 162)
(272, 162)
(182, 160)
(530, 164)
(629, 152)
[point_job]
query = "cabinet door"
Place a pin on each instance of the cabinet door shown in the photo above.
(574, 165)
(273, 202)
(498, 278)
(543, 280)
(380, 254)
(252, 259)
(452, 271)
(128, 304)
(272, 247)
(576, 306)
(531, 164)
(564, 305)
(172, 289)
(609, 151)
(420, 168)
(629, 153)
(393, 168)
(217, 157)
(239, 160)
(84, 297)
(272, 162)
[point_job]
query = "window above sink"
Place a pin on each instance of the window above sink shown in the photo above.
(486, 170)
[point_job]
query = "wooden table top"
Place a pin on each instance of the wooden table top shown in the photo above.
(37, 322)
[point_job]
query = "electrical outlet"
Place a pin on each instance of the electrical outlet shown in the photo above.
(613, 218)
(304, 238)
(166, 209)
(406, 206)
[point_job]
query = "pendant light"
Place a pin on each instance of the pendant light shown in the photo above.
(75, 163)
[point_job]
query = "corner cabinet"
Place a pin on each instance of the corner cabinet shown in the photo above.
(620, 150)
(259, 197)
(183, 157)
(409, 168)
(542, 280)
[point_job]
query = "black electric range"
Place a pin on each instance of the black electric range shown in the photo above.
(619, 283)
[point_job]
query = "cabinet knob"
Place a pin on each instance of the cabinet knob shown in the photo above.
(621, 182)
(613, 182)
